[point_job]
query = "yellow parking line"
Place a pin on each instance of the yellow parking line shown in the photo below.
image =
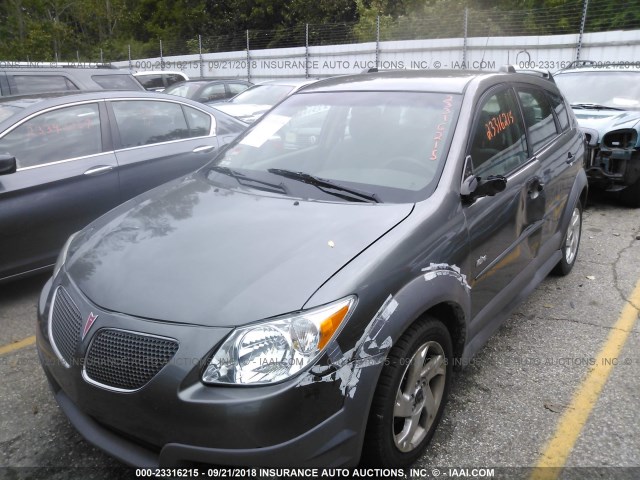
(575, 416)
(12, 347)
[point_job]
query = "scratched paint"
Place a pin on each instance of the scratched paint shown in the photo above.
(371, 351)
(435, 270)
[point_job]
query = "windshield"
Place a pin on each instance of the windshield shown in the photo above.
(263, 94)
(384, 146)
(7, 110)
(615, 89)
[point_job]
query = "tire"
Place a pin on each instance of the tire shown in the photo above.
(571, 242)
(630, 196)
(402, 419)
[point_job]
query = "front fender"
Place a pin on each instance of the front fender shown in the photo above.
(439, 285)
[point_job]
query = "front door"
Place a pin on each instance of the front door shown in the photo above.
(64, 180)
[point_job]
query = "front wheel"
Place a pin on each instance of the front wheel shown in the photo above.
(571, 242)
(410, 396)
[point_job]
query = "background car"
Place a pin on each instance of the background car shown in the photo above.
(209, 90)
(66, 159)
(606, 101)
(24, 80)
(158, 80)
(254, 102)
(305, 306)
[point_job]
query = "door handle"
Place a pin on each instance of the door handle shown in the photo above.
(98, 170)
(203, 149)
(534, 188)
(571, 158)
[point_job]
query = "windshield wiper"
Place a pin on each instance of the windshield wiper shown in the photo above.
(325, 185)
(243, 180)
(594, 106)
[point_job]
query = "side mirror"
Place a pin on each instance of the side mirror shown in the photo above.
(492, 185)
(7, 164)
(474, 187)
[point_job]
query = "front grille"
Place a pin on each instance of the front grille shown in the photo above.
(125, 360)
(65, 326)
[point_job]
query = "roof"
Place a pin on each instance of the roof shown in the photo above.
(158, 72)
(293, 82)
(212, 80)
(103, 69)
(446, 81)
(36, 102)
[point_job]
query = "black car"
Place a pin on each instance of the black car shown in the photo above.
(605, 98)
(306, 305)
(67, 159)
(209, 90)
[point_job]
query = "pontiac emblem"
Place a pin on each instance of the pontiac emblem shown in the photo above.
(87, 326)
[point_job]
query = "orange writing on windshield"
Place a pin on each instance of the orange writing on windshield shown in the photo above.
(447, 103)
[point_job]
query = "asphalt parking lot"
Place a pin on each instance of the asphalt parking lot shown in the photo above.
(522, 391)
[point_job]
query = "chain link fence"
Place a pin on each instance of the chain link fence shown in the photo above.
(440, 22)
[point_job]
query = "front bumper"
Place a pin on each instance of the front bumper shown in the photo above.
(613, 168)
(174, 420)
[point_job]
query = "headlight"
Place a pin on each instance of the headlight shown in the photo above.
(62, 256)
(275, 350)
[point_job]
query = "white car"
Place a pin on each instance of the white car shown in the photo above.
(254, 102)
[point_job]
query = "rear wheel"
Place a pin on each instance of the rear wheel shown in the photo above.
(571, 242)
(410, 396)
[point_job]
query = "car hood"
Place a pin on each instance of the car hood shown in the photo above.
(604, 121)
(248, 113)
(194, 253)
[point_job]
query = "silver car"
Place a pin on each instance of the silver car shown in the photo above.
(67, 159)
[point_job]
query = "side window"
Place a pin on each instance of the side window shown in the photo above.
(236, 88)
(116, 82)
(172, 78)
(538, 117)
(56, 135)
(42, 83)
(212, 92)
(498, 141)
(151, 81)
(561, 110)
(144, 122)
(199, 122)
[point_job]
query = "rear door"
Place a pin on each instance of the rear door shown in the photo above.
(555, 146)
(66, 177)
(159, 140)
